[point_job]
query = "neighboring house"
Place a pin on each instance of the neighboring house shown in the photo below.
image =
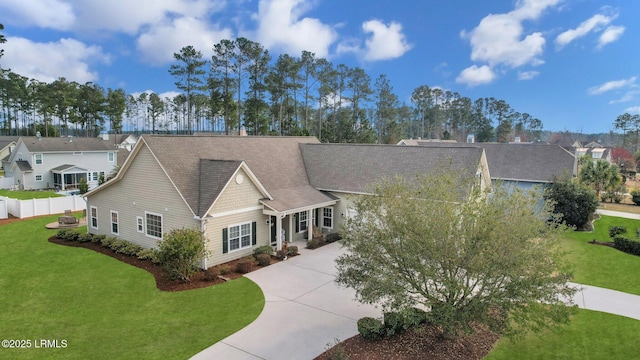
(60, 163)
(244, 192)
(595, 151)
(524, 165)
(7, 144)
(124, 142)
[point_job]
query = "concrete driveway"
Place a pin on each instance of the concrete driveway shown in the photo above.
(305, 311)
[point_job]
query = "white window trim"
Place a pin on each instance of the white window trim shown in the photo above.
(240, 247)
(35, 159)
(324, 217)
(146, 227)
(91, 217)
(111, 156)
(36, 177)
(117, 222)
(300, 221)
(140, 224)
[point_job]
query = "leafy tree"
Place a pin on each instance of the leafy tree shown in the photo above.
(180, 252)
(439, 242)
(601, 176)
(573, 202)
(189, 73)
(83, 187)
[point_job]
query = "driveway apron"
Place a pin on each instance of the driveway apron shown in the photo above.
(305, 311)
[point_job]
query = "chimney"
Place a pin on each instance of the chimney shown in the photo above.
(471, 139)
(517, 139)
(243, 131)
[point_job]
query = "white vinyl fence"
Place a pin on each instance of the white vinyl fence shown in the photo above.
(3, 209)
(6, 182)
(35, 207)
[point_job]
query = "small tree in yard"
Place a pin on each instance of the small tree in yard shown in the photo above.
(573, 202)
(180, 252)
(491, 259)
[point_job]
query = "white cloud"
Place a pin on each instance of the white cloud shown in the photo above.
(527, 75)
(46, 62)
(611, 34)
(386, 42)
(280, 26)
(595, 23)
(158, 44)
(476, 75)
(500, 39)
(123, 16)
(612, 85)
(54, 14)
(633, 109)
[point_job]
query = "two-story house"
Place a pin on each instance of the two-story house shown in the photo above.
(60, 163)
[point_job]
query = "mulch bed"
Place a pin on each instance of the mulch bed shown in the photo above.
(163, 282)
(424, 342)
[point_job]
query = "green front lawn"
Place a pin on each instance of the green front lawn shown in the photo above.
(591, 335)
(604, 266)
(103, 308)
(27, 195)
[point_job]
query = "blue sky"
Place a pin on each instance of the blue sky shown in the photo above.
(574, 64)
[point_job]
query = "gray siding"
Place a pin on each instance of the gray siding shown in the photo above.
(144, 188)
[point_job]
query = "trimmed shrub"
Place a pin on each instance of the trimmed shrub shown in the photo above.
(118, 245)
(616, 230)
(180, 252)
(292, 250)
(266, 249)
(263, 259)
(393, 323)
(211, 273)
(106, 241)
(635, 197)
(313, 244)
(148, 254)
(333, 237)
(224, 269)
(244, 265)
(281, 254)
(98, 238)
(67, 234)
(130, 248)
(370, 328)
(627, 245)
(414, 317)
(85, 237)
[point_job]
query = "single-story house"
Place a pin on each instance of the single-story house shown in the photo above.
(60, 162)
(244, 192)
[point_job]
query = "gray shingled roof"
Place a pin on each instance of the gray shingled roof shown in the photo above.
(355, 168)
(24, 165)
(58, 144)
(523, 162)
(6, 140)
(276, 162)
(214, 176)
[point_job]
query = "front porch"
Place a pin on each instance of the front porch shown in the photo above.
(298, 227)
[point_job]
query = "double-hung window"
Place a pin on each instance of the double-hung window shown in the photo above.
(114, 222)
(154, 225)
(38, 159)
(239, 236)
(327, 217)
(94, 217)
(111, 156)
(302, 221)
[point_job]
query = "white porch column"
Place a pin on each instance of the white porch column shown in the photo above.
(291, 227)
(309, 226)
(279, 232)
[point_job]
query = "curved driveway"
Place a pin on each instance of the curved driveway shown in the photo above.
(305, 312)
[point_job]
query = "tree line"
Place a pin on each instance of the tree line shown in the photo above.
(241, 87)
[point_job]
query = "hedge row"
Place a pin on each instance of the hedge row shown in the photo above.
(118, 245)
(627, 245)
